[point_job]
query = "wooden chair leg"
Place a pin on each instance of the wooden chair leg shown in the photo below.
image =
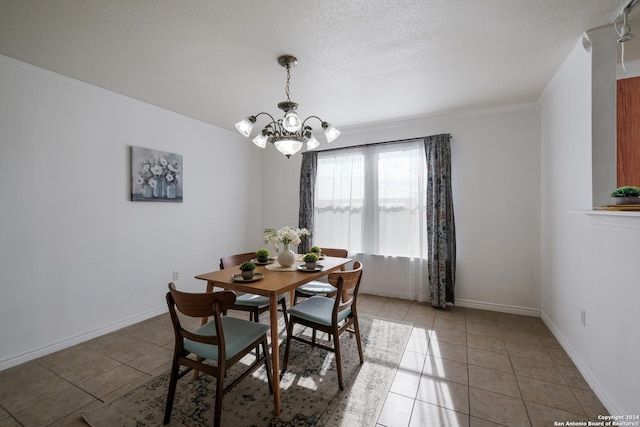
(287, 347)
(356, 328)
(175, 369)
(217, 416)
(284, 311)
(336, 346)
(267, 363)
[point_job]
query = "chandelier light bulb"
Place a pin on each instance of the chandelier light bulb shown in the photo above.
(261, 140)
(330, 132)
(288, 147)
(312, 142)
(245, 126)
(291, 121)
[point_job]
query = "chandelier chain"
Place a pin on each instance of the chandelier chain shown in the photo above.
(286, 87)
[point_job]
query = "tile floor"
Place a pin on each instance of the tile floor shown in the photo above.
(461, 367)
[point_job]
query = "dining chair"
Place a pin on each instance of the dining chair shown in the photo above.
(317, 287)
(330, 315)
(254, 304)
(224, 340)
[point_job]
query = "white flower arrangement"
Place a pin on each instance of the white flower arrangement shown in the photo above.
(285, 235)
(154, 170)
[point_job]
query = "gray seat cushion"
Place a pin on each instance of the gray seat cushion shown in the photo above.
(238, 334)
(317, 309)
(317, 287)
(253, 300)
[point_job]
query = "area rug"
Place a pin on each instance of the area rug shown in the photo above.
(310, 395)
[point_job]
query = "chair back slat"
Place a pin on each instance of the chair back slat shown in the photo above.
(237, 259)
(347, 283)
(201, 304)
(337, 253)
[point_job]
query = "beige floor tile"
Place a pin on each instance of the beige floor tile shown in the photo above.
(426, 414)
(560, 357)
(153, 357)
(495, 381)
(443, 393)
(573, 377)
(448, 351)
(50, 410)
(421, 332)
(446, 369)
(590, 403)
(111, 380)
(420, 319)
(396, 411)
(486, 329)
(545, 371)
(549, 341)
(29, 371)
(448, 336)
(406, 383)
(546, 416)
(486, 342)
(72, 420)
(369, 304)
(9, 422)
(489, 359)
(449, 324)
(530, 351)
(548, 394)
(418, 344)
(23, 392)
(479, 422)
(520, 337)
(78, 363)
(498, 408)
(153, 332)
(476, 313)
(412, 362)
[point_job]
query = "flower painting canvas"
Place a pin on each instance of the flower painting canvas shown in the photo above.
(156, 176)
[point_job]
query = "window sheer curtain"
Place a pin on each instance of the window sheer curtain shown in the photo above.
(440, 221)
(371, 200)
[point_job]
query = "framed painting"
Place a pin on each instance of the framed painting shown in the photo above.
(156, 176)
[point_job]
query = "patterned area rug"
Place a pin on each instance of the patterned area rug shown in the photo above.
(310, 395)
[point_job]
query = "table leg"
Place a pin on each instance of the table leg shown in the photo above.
(275, 357)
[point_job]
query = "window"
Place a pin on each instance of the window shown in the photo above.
(371, 199)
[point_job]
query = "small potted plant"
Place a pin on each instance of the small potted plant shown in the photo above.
(262, 255)
(317, 250)
(627, 195)
(310, 261)
(248, 270)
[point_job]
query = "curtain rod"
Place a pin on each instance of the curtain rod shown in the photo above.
(395, 141)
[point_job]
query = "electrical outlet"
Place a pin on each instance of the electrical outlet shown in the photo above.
(176, 275)
(583, 317)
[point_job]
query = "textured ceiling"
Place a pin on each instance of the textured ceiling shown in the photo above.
(360, 61)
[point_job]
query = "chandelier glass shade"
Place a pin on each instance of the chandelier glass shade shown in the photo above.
(289, 133)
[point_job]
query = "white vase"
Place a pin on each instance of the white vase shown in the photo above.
(287, 257)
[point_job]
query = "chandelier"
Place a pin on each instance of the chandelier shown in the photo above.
(289, 133)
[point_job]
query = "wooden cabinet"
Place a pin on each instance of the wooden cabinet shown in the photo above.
(628, 132)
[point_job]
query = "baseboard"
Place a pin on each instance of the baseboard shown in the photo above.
(582, 367)
(66, 343)
(501, 308)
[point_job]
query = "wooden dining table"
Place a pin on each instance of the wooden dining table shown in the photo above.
(274, 284)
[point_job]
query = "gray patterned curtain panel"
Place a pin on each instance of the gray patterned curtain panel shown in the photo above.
(441, 230)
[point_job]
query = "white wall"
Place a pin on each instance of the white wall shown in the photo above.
(78, 259)
(589, 261)
(496, 187)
